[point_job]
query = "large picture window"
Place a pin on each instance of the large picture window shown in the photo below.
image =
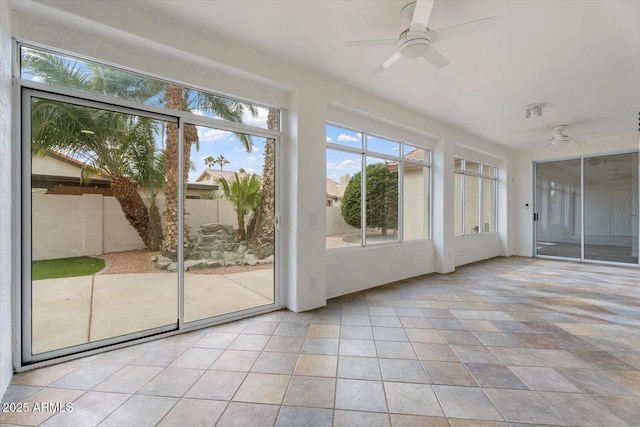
(377, 189)
(475, 197)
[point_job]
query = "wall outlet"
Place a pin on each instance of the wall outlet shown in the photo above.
(313, 283)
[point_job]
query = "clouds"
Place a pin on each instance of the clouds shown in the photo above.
(258, 121)
(343, 137)
(346, 165)
(342, 166)
(214, 135)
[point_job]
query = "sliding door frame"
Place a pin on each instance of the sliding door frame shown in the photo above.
(537, 204)
(24, 359)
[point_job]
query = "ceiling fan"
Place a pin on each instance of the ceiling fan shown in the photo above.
(417, 40)
(560, 138)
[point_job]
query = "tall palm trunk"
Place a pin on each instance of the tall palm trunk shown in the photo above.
(155, 228)
(175, 100)
(134, 209)
(264, 229)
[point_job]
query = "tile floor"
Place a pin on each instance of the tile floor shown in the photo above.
(502, 342)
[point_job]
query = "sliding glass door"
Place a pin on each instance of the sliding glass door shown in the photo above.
(558, 209)
(611, 208)
(587, 208)
(108, 192)
(229, 206)
(93, 178)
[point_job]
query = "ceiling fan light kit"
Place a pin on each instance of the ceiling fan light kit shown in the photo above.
(417, 40)
(535, 108)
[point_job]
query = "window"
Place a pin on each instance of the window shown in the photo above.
(386, 182)
(475, 197)
(38, 65)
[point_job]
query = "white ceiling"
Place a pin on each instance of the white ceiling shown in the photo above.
(580, 57)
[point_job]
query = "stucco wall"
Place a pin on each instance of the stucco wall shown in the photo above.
(66, 226)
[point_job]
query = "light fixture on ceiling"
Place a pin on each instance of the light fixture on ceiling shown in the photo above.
(534, 108)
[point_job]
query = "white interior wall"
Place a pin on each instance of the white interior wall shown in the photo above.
(9, 184)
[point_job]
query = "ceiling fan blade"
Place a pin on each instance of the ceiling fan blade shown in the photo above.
(421, 15)
(373, 42)
(389, 62)
(578, 141)
(460, 29)
(435, 57)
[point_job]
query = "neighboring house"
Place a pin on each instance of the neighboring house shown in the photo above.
(415, 208)
(55, 173)
(334, 193)
(211, 176)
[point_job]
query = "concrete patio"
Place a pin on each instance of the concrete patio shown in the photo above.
(77, 310)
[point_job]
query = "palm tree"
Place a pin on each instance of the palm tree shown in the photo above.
(222, 160)
(183, 99)
(264, 230)
(210, 162)
(244, 194)
(147, 169)
(104, 140)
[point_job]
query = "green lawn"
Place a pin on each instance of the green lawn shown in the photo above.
(65, 267)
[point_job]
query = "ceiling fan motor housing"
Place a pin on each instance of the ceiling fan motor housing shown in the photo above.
(414, 43)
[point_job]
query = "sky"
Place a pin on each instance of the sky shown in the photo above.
(216, 142)
(340, 163)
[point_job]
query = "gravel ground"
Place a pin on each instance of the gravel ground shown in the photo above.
(140, 262)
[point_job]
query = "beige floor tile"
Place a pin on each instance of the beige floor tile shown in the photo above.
(316, 392)
(263, 388)
(316, 365)
(194, 412)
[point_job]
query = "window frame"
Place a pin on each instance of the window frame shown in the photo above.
(364, 152)
(463, 172)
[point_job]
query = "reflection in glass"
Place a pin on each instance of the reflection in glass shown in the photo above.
(415, 212)
(229, 210)
(611, 208)
(343, 222)
(458, 200)
(470, 166)
(98, 179)
(471, 203)
(558, 206)
(488, 205)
